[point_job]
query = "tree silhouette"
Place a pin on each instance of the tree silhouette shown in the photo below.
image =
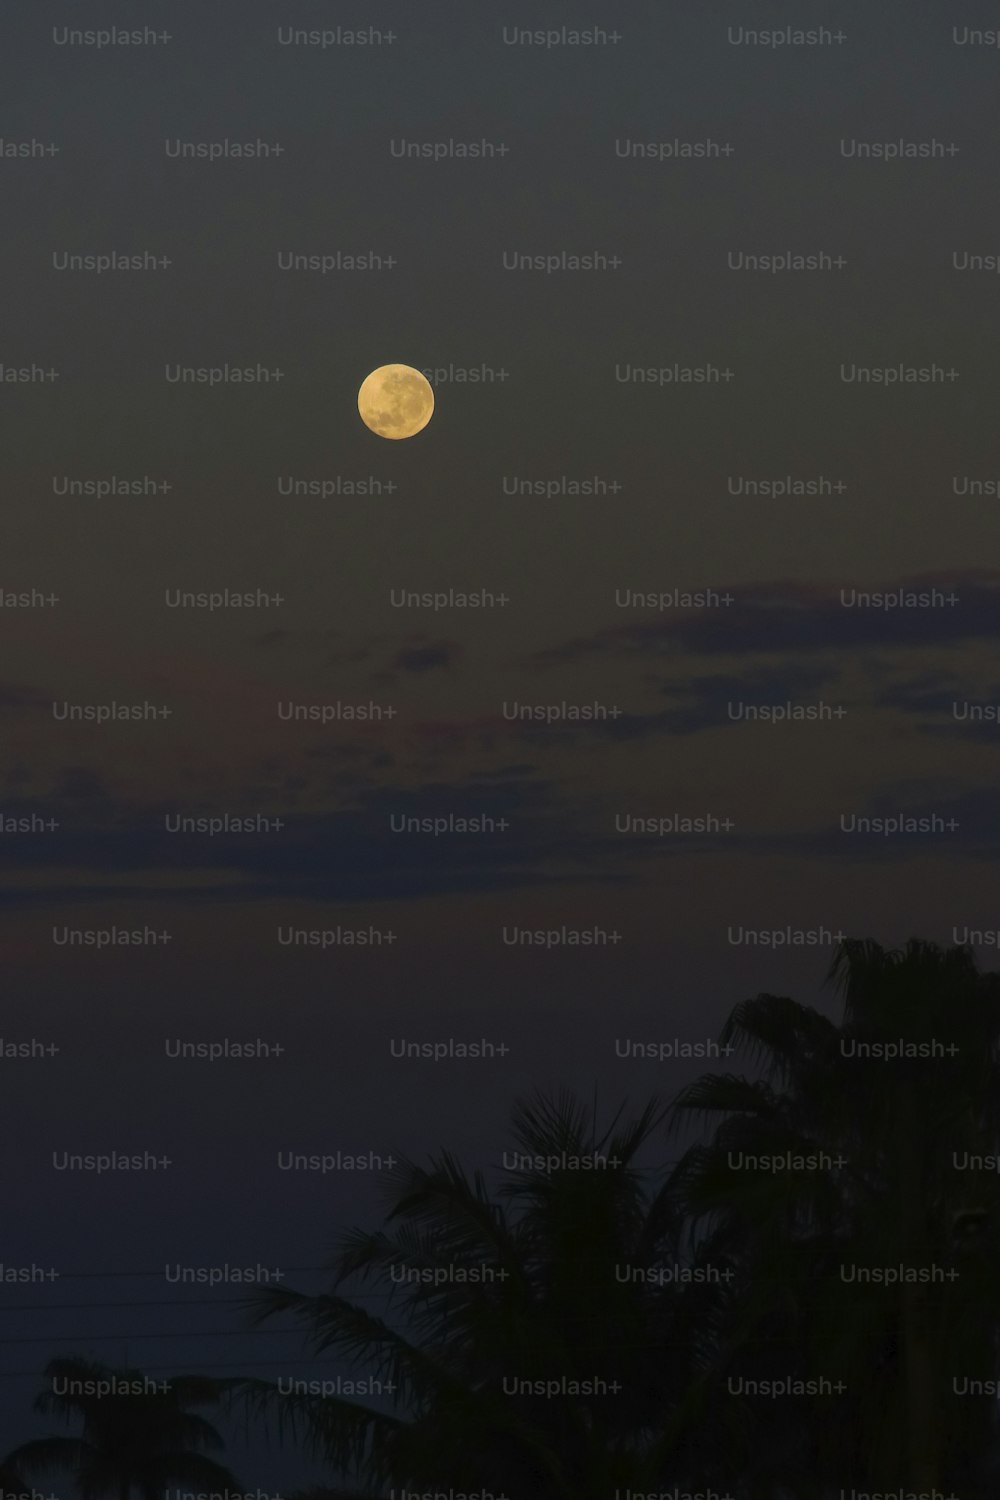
(11, 1482)
(544, 1279)
(129, 1440)
(894, 1126)
(589, 1316)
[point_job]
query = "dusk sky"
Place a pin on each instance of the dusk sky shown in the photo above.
(898, 487)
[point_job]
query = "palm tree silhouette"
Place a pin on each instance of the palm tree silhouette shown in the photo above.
(11, 1482)
(484, 1293)
(895, 1129)
(590, 1317)
(137, 1442)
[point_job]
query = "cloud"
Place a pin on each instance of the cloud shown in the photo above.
(427, 658)
(709, 698)
(705, 706)
(20, 695)
(947, 708)
(784, 616)
(356, 854)
(81, 784)
(349, 855)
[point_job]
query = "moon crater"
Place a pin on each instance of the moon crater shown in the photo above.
(396, 401)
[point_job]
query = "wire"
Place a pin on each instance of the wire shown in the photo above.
(158, 1275)
(159, 1302)
(209, 1365)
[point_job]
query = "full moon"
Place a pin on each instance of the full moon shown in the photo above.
(396, 401)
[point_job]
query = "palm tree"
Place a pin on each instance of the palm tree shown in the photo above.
(889, 1131)
(587, 1318)
(486, 1296)
(11, 1482)
(131, 1437)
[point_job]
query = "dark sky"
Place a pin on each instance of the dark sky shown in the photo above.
(895, 515)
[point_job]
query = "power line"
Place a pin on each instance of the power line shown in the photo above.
(104, 1306)
(207, 1365)
(307, 1362)
(42, 1307)
(191, 1333)
(158, 1275)
(349, 1295)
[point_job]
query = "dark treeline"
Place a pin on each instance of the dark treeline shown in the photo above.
(801, 1303)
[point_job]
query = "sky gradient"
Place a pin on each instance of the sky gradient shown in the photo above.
(905, 732)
